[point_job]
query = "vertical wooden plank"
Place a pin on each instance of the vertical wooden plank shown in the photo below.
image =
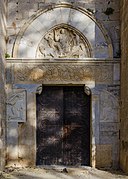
(49, 126)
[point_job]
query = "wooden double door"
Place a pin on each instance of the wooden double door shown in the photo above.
(63, 126)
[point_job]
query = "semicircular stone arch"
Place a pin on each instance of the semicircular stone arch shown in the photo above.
(64, 20)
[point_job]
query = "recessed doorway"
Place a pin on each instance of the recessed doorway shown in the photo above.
(63, 126)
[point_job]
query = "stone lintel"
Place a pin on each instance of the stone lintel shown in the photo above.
(62, 71)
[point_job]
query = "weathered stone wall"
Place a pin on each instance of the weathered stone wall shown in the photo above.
(124, 88)
(2, 81)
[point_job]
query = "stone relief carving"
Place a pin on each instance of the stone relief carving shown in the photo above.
(63, 42)
(55, 72)
(16, 107)
(109, 107)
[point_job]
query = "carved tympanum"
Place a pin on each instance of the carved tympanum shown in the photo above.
(63, 42)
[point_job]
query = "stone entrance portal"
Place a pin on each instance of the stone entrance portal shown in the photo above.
(63, 45)
(63, 126)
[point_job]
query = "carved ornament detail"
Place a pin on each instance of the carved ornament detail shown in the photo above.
(87, 90)
(62, 73)
(63, 42)
(16, 107)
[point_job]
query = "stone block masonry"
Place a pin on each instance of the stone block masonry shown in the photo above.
(2, 81)
(124, 88)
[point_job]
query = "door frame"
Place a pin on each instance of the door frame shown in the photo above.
(94, 114)
(86, 95)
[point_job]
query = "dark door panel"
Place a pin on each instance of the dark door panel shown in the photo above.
(63, 126)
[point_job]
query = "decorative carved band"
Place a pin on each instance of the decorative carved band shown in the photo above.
(62, 73)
